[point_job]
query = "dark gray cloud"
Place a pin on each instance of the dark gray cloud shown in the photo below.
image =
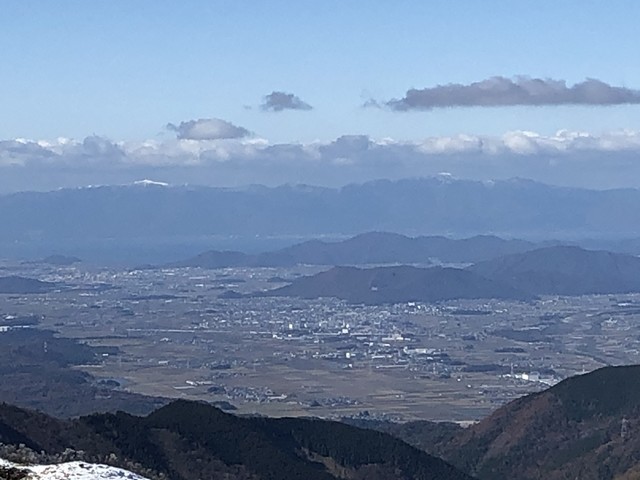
(207, 129)
(99, 147)
(279, 101)
(501, 92)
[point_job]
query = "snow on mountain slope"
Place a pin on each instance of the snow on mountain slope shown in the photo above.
(73, 471)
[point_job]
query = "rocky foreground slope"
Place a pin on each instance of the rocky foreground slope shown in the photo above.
(64, 471)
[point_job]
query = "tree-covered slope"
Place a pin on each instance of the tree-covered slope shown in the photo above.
(186, 440)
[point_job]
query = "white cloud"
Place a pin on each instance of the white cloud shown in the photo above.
(207, 129)
(567, 158)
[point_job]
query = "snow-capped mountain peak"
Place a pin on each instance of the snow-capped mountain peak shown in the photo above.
(150, 183)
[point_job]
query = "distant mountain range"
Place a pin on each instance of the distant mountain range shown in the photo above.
(367, 248)
(558, 270)
(189, 440)
(158, 215)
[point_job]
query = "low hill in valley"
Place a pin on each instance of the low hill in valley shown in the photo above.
(396, 284)
(565, 270)
(37, 371)
(61, 260)
(22, 285)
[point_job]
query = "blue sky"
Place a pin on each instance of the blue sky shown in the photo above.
(124, 69)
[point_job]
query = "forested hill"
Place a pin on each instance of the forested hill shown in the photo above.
(564, 270)
(187, 440)
(397, 284)
(585, 427)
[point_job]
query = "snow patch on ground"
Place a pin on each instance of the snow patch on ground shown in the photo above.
(74, 471)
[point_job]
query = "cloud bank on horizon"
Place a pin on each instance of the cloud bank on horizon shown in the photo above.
(522, 91)
(216, 152)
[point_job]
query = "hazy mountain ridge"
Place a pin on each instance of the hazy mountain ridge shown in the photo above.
(416, 206)
(367, 248)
